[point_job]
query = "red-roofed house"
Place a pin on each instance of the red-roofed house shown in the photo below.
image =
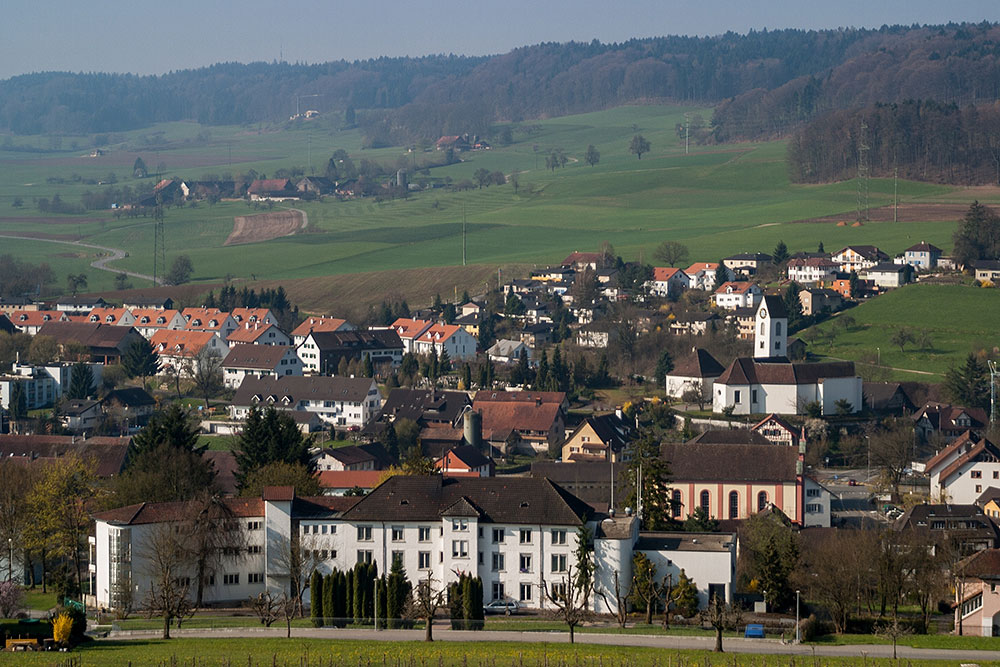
(149, 320)
(253, 316)
(668, 281)
(274, 189)
(310, 324)
(742, 294)
(530, 426)
(254, 333)
(339, 482)
(209, 319)
(409, 330)
(178, 349)
(702, 275)
(450, 338)
(777, 430)
(117, 316)
(961, 471)
(465, 460)
(272, 360)
(584, 260)
(977, 594)
(30, 321)
(812, 269)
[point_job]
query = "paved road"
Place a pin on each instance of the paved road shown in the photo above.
(101, 264)
(732, 645)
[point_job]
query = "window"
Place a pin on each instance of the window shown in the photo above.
(525, 592)
(499, 562)
(753, 395)
(253, 525)
(558, 537)
(459, 549)
(996, 474)
(675, 504)
(423, 560)
(777, 328)
(558, 590)
(231, 579)
(525, 535)
(814, 508)
(734, 505)
(762, 501)
(460, 525)
(498, 592)
(424, 534)
(397, 557)
(524, 563)
(737, 396)
(397, 533)
(812, 493)
(979, 488)
(254, 549)
(558, 562)
(498, 534)
(705, 499)
(323, 529)
(976, 474)
(364, 533)
(364, 556)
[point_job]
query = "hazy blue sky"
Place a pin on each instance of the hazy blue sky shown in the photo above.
(155, 37)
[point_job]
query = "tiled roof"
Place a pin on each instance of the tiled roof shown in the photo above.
(470, 456)
(486, 395)
(36, 318)
(299, 388)
(225, 466)
(729, 436)
(696, 462)
(505, 417)
(88, 333)
(438, 333)
(663, 274)
(701, 266)
(744, 371)
(775, 419)
(984, 564)
(425, 405)
(148, 318)
(700, 363)
(245, 334)
(962, 443)
(511, 500)
(278, 493)
(347, 341)
(923, 246)
(109, 452)
(319, 324)
(657, 541)
(349, 455)
(107, 315)
(180, 342)
(823, 262)
(734, 287)
(130, 396)
(348, 479)
(407, 328)
(269, 185)
(257, 357)
(243, 315)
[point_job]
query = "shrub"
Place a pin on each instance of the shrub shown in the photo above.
(62, 629)
(11, 599)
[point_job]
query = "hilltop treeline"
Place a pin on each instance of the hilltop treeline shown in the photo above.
(925, 141)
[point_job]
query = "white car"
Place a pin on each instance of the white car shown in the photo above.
(506, 607)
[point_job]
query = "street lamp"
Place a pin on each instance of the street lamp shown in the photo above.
(798, 629)
(10, 559)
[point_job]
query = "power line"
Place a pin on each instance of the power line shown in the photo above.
(864, 173)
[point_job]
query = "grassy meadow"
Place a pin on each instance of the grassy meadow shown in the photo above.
(959, 319)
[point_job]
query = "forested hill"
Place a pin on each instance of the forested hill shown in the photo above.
(766, 81)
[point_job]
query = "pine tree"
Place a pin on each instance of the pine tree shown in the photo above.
(969, 385)
(721, 275)
(358, 598)
(268, 437)
(382, 602)
(793, 305)
(316, 599)
(780, 254)
(140, 360)
(467, 376)
(329, 598)
(81, 382)
(686, 601)
(173, 427)
(655, 480)
(664, 365)
(542, 373)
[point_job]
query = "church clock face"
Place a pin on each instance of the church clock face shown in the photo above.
(763, 313)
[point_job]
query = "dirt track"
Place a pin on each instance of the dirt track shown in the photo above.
(907, 213)
(266, 226)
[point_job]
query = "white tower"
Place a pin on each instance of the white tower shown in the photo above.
(770, 329)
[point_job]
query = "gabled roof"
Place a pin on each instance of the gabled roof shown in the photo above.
(699, 364)
(665, 273)
(255, 389)
(701, 266)
(407, 328)
(961, 444)
(180, 342)
(610, 429)
(470, 456)
(148, 318)
(107, 315)
(821, 262)
(204, 319)
(36, 318)
(775, 306)
(991, 493)
(438, 333)
(270, 185)
(348, 479)
(698, 462)
(489, 396)
(257, 357)
(746, 371)
(506, 417)
(110, 453)
(356, 341)
(349, 455)
(775, 419)
(735, 287)
(91, 334)
(425, 405)
(583, 258)
(982, 450)
(242, 315)
(924, 246)
(983, 564)
(510, 500)
(245, 334)
(729, 436)
(869, 252)
(132, 397)
(320, 324)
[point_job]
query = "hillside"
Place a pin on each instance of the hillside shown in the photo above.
(767, 82)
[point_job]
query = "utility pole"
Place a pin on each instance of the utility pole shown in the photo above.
(993, 390)
(687, 132)
(895, 194)
(463, 234)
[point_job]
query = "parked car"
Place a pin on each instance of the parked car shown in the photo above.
(506, 607)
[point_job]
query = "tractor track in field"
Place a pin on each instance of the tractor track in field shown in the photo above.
(100, 264)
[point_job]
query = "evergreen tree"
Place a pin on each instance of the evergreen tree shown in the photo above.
(655, 471)
(465, 298)
(686, 592)
(316, 598)
(391, 442)
(793, 304)
(358, 598)
(367, 368)
(173, 427)
(542, 373)
(699, 521)
(721, 275)
(382, 602)
(969, 384)
(524, 368)
(466, 376)
(558, 376)
(780, 254)
(397, 593)
(820, 249)
(348, 582)
(467, 602)
(343, 367)
(268, 437)
(853, 284)
(140, 360)
(664, 365)
(81, 383)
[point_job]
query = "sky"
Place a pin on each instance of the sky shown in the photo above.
(146, 37)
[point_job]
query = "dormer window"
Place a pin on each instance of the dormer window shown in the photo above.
(160, 320)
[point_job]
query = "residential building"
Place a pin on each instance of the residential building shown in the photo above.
(339, 482)
(987, 270)
(922, 256)
(708, 559)
(947, 421)
(600, 438)
(702, 275)
(136, 302)
(31, 321)
(11, 305)
(322, 351)
(272, 189)
(509, 351)
(668, 281)
(117, 316)
(777, 431)
(810, 270)
(43, 386)
(537, 335)
(271, 360)
(254, 333)
(409, 330)
(858, 257)
(697, 371)
(465, 460)
(887, 398)
(747, 263)
(817, 300)
(261, 316)
(107, 453)
(209, 319)
(310, 324)
(178, 350)
(694, 324)
(351, 458)
(597, 335)
(133, 406)
(522, 421)
(150, 320)
(584, 260)
(448, 339)
(733, 295)
(963, 528)
(961, 471)
(339, 401)
(79, 305)
(888, 274)
(79, 415)
(105, 343)
(977, 594)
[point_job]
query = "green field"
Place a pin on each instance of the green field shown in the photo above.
(959, 318)
(718, 200)
(317, 652)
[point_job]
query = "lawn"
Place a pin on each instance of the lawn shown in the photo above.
(303, 652)
(34, 598)
(958, 318)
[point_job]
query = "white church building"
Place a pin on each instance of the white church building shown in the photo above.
(769, 383)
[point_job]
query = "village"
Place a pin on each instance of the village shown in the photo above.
(513, 436)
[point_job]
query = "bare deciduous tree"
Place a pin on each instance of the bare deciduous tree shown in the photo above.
(425, 603)
(569, 597)
(212, 533)
(166, 564)
(720, 616)
(616, 599)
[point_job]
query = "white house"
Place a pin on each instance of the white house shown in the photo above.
(117, 316)
(310, 324)
(31, 321)
(858, 257)
(887, 274)
(668, 281)
(698, 370)
(441, 338)
(409, 330)
(209, 319)
(178, 349)
(702, 275)
(507, 351)
(42, 385)
(922, 256)
(961, 471)
(768, 382)
(271, 360)
(741, 294)
(149, 320)
(255, 333)
(339, 401)
(810, 270)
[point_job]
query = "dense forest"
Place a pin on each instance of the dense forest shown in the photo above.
(925, 141)
(766, 82)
